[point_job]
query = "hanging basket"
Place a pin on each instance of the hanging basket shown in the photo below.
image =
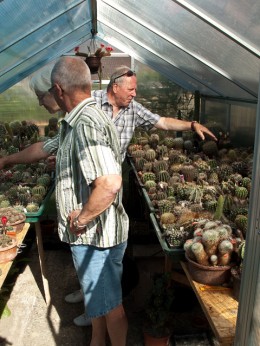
(93, 63)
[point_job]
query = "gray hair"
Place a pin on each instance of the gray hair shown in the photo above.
(118, 71)
(41, 80)
(71, 73)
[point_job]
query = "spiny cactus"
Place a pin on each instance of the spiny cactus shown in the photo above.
(39, 190)
(160, 165)
(225, 249)
(149, 184)
(150, 154)
(32, 207)
(200, 254)
(241, 222)
(178, 143)
(148, 176)
(241, 192)
(210, 149)
(167, 219)
(210, 239)
(163, 176)
(189, 171)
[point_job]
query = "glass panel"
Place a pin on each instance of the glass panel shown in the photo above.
(240, 16)
(185, 41)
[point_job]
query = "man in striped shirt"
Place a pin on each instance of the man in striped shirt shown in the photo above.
(91, 217)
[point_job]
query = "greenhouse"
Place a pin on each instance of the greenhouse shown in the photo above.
(195, 61)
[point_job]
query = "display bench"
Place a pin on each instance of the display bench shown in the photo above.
(219, 306)
(35, 219)
(5, 267)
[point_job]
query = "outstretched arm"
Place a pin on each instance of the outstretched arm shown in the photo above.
(31, 154)
(181, 125)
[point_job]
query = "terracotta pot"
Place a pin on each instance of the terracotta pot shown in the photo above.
(150, 340)
(93, 63)
(208, 275)
(8, 253)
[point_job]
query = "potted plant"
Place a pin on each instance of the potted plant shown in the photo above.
(236, 271)
(158, 311)
(94, 56)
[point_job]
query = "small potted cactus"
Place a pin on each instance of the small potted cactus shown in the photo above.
(210, 252)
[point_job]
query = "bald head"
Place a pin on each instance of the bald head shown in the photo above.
(71, 82)
(71, 73)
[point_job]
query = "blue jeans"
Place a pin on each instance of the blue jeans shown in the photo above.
(99, 272)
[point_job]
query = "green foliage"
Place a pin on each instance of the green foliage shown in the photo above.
(158, 310)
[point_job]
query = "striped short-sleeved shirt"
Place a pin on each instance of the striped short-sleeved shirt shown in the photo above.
(86, 151)
(128, 119)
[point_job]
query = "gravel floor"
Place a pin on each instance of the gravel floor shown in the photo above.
(32, 323)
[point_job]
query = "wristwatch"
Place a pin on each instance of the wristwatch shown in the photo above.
(192, 125)
(77, 225)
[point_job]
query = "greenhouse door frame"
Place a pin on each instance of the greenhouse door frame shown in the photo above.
(248, 311)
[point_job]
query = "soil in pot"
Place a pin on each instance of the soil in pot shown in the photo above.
(8, 248)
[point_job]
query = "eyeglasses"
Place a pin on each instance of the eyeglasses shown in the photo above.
(129, 73)
(51, 89)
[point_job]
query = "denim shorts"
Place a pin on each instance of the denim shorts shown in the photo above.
(99, 272)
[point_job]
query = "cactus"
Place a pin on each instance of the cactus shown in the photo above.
(189, 171)
(169, 142)
(139, 163)
(163, 176)
(178, 143)
(164, 206)
(150, 155)
(39, 190)
(225, 249)
(214, 260)
(148, 176)
(160, 165)
(241, 192)
(5, 203)
(32, 207)
(200, 254)
(241, 222)
(210, 239)
(219, 210)
(149, 184)
(210, 149)
(167, 219)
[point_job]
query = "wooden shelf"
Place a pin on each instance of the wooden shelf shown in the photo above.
(219, 306)
(5, 267)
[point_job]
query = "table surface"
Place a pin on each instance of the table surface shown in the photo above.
(5, 267)
(219, 306)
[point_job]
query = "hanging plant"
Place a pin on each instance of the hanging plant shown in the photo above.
(94, 56)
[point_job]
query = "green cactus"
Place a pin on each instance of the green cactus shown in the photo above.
(148, 176)
(163, 176)
(219, 210)
(150, 154)
(39, 190)
(200, 254)
(241, 192)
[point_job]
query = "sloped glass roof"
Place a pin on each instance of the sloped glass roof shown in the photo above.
(209, 46)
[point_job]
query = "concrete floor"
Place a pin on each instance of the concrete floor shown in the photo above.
(32, 323)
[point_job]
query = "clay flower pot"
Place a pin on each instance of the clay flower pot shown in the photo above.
(93, 63)
(9, 252)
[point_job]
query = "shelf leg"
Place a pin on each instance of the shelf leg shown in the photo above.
(42, 262)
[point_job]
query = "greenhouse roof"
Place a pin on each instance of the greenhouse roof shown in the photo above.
(210, 46)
